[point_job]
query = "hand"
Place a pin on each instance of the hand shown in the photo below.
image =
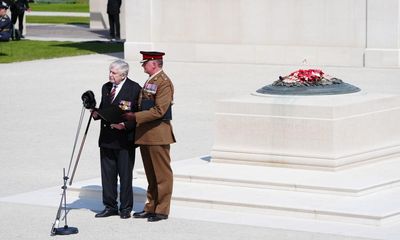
(95, 115)
(119, 126)
(130, 116)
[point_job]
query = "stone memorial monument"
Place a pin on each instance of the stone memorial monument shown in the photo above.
(331, 157)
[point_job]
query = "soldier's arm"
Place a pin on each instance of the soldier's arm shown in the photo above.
(163, 100)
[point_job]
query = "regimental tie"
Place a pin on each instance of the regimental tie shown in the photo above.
(112, 93)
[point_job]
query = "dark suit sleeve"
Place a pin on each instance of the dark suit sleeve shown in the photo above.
(103, 92)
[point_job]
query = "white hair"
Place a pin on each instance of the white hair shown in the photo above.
(122, 66)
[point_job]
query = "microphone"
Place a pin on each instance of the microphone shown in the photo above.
(88, 100)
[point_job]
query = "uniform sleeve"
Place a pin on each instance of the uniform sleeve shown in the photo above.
(5, 30)
(130, 125)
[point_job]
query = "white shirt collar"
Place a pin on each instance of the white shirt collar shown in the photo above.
(119, 86)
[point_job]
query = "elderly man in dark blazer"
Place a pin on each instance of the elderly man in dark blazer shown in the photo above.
(116, 141)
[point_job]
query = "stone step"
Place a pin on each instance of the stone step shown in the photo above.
(374, 209)
(365, 179)
(365, 195)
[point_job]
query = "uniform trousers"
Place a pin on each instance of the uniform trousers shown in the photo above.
(20, 17)
(113, 20)
(114, 163)
(156, 162)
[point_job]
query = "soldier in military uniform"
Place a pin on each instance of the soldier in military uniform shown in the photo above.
(5, 23)
(154, 135)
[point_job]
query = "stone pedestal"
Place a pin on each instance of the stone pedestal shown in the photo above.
(328, 132)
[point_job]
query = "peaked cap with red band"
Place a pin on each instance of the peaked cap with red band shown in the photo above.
(3, 5)
(147, 56)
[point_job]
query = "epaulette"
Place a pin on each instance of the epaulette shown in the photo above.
(164, 76)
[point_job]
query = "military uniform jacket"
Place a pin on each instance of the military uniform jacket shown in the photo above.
(5, 28)
(151, 129)
(127, 99)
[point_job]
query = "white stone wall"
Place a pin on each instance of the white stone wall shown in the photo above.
(383, 29)
(319, 32)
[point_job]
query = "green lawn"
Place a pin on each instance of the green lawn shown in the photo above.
(59, 7)
(26, 50)
(58, 20)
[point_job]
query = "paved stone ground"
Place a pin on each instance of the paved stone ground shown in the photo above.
(40, 111)
(65, 32)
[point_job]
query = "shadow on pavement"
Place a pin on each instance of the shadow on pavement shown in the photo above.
(96, 46)
(90, 197)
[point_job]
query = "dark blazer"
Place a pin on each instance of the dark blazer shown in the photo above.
(114, 138)
(113, 6)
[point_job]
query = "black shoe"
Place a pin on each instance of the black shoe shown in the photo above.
(125, 214)
(142, 214)
(106, 213)
(157, 217)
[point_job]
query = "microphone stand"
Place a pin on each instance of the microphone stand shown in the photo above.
(67, 230)
(80, 149)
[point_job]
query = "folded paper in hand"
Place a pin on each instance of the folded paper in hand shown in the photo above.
(147, 104)
(112, 114)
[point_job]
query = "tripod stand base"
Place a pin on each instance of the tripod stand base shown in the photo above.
(65, 230)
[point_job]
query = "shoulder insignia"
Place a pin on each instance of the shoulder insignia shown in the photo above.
(165, 77)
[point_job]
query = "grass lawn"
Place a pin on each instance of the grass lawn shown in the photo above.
(58, 20)
(59, 7)
(26, 50)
